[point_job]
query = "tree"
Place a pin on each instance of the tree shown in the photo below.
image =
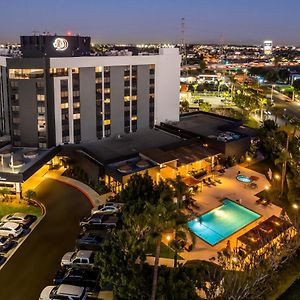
(296, 85)
(4, 192)
(262, 102)
(184, 106)
(161, 217)
(202, 65)
(205, 106)
(284, 156)
(30, 195)
(272, 76)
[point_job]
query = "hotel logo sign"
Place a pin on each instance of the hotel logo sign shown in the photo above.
(60, 44)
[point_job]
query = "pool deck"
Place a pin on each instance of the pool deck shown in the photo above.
(211, 197)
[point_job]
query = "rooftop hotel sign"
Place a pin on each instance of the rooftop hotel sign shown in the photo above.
(60, 44)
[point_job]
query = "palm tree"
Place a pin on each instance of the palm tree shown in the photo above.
(285, 155)
(161, 218)
(262, 102)
(4, 192)
(30, 195)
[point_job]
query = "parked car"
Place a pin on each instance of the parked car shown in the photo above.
(81, 258)
(63, 291)
(107, 209)
(5, 243)
(2, 259)
(80, 277)
(99, 221)
(10, 229)
(20, 218)
(90, 241)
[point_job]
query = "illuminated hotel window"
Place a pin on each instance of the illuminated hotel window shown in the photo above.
(25, 73)
(134, 118)
(106, 122)
(76, 116)
(76, 104)
(98, 80)
(64, 94)
(107, 100)
(75, 70)
(40, 97)
(64, 105)
(41, 109)
(126, 98)
(106, 91)
(134, 97)
(98, 69)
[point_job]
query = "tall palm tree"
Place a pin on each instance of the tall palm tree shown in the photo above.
(161, 217)
(285, 155)
(262, 102)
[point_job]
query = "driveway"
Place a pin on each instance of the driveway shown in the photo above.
(35, 263)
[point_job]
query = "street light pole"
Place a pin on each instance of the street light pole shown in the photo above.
(272, 91)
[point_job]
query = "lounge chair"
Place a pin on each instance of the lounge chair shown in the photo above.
(206, 182)
(211, 182)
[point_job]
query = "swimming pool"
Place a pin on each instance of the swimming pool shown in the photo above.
(244, 178)
(221, 222)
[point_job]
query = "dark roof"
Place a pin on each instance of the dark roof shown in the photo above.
(185, 152)
(264, 233)
(114, 149)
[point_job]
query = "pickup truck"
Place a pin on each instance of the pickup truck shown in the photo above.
(81, 277)
(99, 221)
(81, 258)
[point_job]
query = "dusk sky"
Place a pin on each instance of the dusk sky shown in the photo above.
(116, 21)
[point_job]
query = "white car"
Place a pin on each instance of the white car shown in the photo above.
(82, 258)
(107, 209)
(63, 291)
(19, 218)
(11, 229)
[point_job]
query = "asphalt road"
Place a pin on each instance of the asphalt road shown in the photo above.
(35, 263)
(292, 108)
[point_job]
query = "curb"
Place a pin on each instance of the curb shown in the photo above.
(35, 224)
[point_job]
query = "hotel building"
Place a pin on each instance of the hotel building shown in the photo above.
(56, 93)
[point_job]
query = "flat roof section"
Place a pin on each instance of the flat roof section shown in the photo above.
(205, 124)
(116, 148)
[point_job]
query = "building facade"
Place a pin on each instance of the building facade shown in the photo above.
(57, 94)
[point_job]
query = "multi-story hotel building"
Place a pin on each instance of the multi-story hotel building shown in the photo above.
(57, 93)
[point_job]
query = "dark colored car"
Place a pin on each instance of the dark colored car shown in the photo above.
(5, 243)
(90, 241)
(80, 277)
(99, 221)
(2, 259)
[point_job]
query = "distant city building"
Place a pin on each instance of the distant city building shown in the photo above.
(57, 94)
(268, 47)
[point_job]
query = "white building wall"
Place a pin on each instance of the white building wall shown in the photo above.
(167, 76)
(167, 83)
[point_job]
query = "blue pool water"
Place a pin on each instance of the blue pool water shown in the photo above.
(244, 178)
(222, 222)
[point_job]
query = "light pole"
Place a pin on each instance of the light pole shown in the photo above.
(248, 160)
(296, 207)
(272, 91)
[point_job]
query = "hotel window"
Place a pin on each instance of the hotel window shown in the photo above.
(25, 73)
(133, 118)
(98, 69)
(76, 93)
(107, 122)
(107, 91)
(14, 84)
(41, 109)
(15, 108)
(40, 97)
(64, 105)
(76, 104)
(75, 71)
(76, 116)
(126, 98)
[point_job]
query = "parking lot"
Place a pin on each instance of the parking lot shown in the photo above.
(34, 264)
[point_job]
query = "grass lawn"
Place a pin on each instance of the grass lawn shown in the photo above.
(251, 122)
(165, 252)
(15, 206)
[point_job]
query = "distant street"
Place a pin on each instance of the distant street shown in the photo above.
(34, 264)
(292, 108)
